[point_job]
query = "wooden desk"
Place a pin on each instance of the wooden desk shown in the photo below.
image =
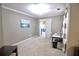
(7, 50)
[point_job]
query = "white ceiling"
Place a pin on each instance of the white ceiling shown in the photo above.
(23, 7)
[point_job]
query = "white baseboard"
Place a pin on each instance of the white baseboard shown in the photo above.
(24, 40)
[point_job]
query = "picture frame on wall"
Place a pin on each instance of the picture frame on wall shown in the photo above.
(24, 23)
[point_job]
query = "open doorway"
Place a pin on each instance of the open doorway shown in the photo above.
(45, 28)
(42, 28)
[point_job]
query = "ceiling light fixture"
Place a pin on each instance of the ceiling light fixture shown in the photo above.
(39, 9)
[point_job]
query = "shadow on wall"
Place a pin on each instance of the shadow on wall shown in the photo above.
(73, 51)
(70, 51)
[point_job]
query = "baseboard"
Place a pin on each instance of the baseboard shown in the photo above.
(15, 44)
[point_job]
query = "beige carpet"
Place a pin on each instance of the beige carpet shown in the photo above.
(38, 46)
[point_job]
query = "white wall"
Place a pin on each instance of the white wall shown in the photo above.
(48, 27)
(1, 41)
(53, 24)
(56, 23)
(12, 32)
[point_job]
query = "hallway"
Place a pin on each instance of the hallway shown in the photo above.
(37, 46)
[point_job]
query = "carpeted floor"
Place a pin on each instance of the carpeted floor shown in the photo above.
(38, 46)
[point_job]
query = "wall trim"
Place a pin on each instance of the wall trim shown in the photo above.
(20, 42)
(11, 9)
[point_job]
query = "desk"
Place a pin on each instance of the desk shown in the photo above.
(7, 50)
(55, 40)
